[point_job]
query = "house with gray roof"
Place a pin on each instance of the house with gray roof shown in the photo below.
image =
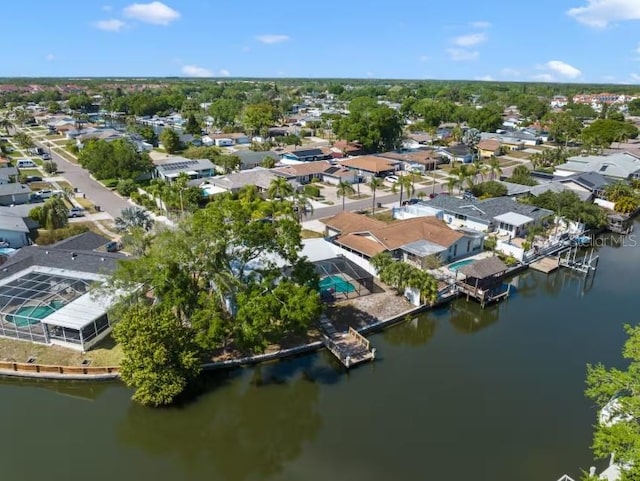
(259, 177)
(502, 214)
(587, 185)
(47, 295)
(250, 159)
(172, 167)
(8, 174)
(14, 194)
(621, 166)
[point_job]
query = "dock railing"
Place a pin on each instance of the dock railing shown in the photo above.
(363, 341)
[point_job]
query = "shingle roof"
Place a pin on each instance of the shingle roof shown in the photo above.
(619, 165)
(483, 268)
(306, 168)
(11, 189)
(370, 163)
(487, 209)
(10, 222)
(346, 222)
(361, 243)
(86, 241)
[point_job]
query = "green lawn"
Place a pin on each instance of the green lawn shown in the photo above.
(310, 234)
(35, 172)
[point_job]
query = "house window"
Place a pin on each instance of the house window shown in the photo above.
(468, 245)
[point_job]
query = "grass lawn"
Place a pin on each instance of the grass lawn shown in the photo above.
(63, 153)
(510, 163)
(383, 215)
(105, 353)
(60, 142)
(32, 172)
(358, 197)
(86, 204)
(519, 155)
(64, 184)
(40, 185)
(310, 234)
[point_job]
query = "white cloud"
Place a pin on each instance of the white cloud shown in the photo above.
(510, 72)
(111, 25)
(196, 71)
(635, 77)
(543, 77)
(563, 69)
(470, 40)
(459, 54)
(50, 57)
(423, 58)
(485, 78)
(600, 13)
(270, 38)
(225, 73)
(156, 13)
(480, 24)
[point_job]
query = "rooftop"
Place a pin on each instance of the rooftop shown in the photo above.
(370, 163)
(483, 268)
(487, 209)
(620, 165)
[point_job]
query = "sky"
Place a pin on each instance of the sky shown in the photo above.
(594, 41)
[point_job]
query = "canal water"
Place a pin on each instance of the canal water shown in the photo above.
(458, 393)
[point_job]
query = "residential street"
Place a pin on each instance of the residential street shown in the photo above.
(79, 177)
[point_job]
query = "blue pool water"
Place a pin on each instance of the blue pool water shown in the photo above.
(457, 265)
(6, 251)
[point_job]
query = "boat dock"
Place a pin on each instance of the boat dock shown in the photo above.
(584, 264)
(349, 347)
(546, 264)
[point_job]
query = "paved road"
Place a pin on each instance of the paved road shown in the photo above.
(94, 191)
(328, 211)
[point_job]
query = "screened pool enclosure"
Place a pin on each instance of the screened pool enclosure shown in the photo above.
(53, 306)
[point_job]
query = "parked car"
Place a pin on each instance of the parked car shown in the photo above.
(44, 193)
(392, 179)
(46, 156)
(113, 246)
(76, 212)
(32, 178)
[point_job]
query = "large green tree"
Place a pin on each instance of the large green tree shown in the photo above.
(118, 159)
(225, 112)
(607, 131)
(54, 213)
(212, 271)
(170, 141)
(258, 117)
(376, 127)
(160, 353)
(618, 391)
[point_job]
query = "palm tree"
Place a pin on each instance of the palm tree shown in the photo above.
(494, 167)
(373, 184)
(452, 182)
(471, 139)
(302, 205)
(406, 184)
(426, 284)
(345, 189)
(6, 124)
(279, 188)
(134, 218)
(54, 214)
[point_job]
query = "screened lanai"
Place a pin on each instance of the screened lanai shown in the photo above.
(48, 305)
(342, 279)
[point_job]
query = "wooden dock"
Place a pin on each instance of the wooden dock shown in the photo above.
(546, 265)
(349, 347)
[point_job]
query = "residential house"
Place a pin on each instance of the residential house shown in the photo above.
(307, 155)
(258, 177)
(458, 153)
(421, 159)
(482, 280)
(421, 138)
(349, 149)
(14, 229)
(506, 140)
(371, 165)
(321, 170)
(225, 140)
(108, 135)
(14, 194)
(489, 148)
(412, 240)
(172, 167)
(250, 159)
(60, 275)
(620, 166)
(587, 185)
(489, 215)
(8, 174)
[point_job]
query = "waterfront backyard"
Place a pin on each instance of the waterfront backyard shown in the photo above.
(457, 393)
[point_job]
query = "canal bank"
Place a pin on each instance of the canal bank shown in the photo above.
(456, 392)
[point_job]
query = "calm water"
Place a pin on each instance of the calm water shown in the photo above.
(457, 394)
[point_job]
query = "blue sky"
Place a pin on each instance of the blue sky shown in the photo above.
(547, 40)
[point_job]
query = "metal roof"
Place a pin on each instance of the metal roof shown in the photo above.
(514, 219)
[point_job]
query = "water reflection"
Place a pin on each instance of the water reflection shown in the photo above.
(89, 391)
(412, 332)
(469, 317)
(249, 425)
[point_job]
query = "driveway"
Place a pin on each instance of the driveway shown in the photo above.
(78, 177)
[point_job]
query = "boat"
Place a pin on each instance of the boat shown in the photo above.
(613, 413)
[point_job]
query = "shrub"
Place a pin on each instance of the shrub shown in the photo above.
(126, 187)
(312, 191)
(50, 167)
(45, 237)
(110, 183)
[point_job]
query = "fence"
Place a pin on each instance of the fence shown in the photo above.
(19, 367)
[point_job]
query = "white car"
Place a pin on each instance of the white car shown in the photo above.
(45, 193)
(76, 212)
(392, 179)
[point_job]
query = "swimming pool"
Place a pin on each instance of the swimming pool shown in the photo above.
(29, 315)
(6, 251)
(337, 283)
(457, 265)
